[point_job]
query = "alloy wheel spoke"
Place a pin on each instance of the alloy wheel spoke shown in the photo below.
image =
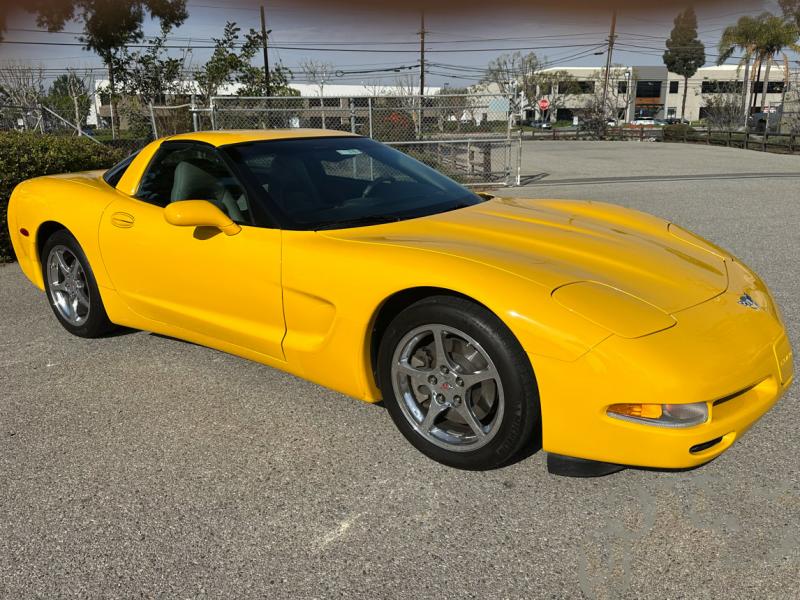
(418, 376)
(473, 379)
(62, 263)
(81, 297)
(442, 359)
(467, 414)
(434, 410)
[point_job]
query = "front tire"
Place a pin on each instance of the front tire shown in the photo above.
(71, 287)
(457, 383)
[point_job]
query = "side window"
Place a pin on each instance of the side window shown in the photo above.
(115, 173)
(193, 172)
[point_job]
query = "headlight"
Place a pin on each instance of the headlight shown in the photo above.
(619, 312)
(661, 415)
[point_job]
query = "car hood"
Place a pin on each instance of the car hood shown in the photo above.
(556, 242)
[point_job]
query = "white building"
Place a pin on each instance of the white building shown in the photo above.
(651, 91)
(310, 90)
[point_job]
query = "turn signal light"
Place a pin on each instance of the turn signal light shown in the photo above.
(661, 415)
(647, 411)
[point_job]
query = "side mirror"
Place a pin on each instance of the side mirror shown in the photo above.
(199, 213)
(486, 195)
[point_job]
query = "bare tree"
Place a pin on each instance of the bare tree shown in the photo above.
(375, 88)
(451, 105)
(555, 86)
(790, 116)
(23, 86)
(513, 74)
(618, 97)
(320, 73)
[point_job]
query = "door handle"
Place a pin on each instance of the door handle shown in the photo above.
(121, 219)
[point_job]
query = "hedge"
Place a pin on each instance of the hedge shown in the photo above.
(26, 155)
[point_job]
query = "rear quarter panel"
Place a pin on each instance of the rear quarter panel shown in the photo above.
(75, 201)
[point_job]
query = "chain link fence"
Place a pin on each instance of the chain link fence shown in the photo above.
(467, 137)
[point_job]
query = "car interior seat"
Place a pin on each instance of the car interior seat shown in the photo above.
(194, 183)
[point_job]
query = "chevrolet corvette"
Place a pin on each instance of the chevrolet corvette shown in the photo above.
(487, 325)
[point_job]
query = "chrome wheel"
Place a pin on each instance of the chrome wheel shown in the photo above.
(69, 289)
(448, 387)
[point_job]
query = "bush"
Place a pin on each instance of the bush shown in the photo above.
(678, 132)
(26, 155)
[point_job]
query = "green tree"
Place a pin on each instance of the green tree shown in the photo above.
(151, 74)
(776, 34)
(791, 10)
(69, 97)
(685, 52)
(228, 65)
(108, 25)
(742, 37)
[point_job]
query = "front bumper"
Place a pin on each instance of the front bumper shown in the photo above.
(735, 358)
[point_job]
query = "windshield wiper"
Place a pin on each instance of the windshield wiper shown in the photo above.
(359, 222)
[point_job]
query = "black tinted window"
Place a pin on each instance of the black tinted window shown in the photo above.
(328, 182)
(193, 172)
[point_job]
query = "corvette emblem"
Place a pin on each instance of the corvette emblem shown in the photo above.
(747, 300)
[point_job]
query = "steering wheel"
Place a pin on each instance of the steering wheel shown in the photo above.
(375, 183)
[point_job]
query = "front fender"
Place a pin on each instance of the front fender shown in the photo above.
(330, 307)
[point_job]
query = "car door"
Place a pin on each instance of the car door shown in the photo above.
(197, 278)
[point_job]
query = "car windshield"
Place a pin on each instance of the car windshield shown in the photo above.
(337, 182)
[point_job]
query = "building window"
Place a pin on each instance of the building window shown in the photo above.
(622, 87)
(576, 87)
(721, 87)
(673, 87)
(773, 87)
(648, 89)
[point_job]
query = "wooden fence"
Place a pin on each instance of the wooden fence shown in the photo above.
(784, 143)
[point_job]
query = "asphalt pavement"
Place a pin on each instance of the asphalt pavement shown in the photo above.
(141, 466)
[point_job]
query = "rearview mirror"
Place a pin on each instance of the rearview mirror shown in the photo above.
(199, 213)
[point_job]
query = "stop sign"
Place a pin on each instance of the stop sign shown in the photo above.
(544, 103)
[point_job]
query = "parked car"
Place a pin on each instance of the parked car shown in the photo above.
(481, 322)
(676, 121)
(540, 124)
(644, 122)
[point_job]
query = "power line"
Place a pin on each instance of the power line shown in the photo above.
(317, 49)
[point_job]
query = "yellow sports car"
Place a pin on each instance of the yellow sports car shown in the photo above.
(482, 323)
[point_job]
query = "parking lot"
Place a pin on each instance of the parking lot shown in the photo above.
(141, 465)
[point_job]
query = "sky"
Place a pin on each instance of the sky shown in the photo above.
(364, 45)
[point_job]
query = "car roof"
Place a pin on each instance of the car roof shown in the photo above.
(238, 136)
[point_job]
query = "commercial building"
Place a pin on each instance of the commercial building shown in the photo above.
(647, 91)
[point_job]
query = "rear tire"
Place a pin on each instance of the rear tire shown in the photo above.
(71, 287)
(457, 383)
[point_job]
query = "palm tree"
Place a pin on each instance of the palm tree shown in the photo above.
(742, 36)
(776, 35)
(761, 39)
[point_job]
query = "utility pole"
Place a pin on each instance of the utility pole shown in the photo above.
(422, 54)
(611, 37)
(266, 55)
